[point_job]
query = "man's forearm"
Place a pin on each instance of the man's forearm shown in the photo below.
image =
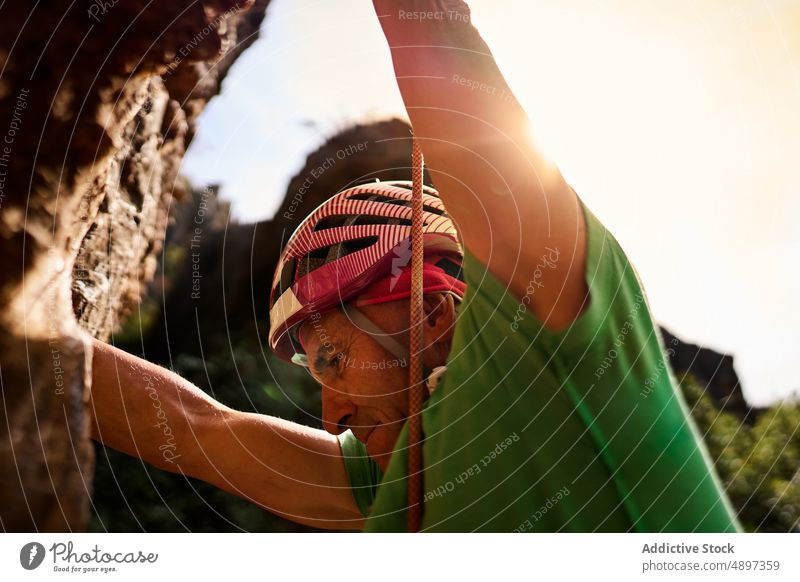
(292, 470)
(142, 409)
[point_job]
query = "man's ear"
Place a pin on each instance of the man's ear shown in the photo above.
(440, 319)
(440, 315)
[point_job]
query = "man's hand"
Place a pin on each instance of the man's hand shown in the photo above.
(292, 470)
(511, 206)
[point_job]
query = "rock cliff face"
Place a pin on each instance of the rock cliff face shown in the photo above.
(98, 102)
(714, 372)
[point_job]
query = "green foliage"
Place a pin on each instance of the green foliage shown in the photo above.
(140, 322)
(759, 465)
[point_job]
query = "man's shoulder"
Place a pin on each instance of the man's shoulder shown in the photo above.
(491, 315)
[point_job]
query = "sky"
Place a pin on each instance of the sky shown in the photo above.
(678, 123)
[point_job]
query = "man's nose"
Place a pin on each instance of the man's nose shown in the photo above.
(337, 410)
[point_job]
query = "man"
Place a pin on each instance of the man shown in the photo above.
(551, 406)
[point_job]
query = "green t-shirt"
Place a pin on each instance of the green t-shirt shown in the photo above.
(579, 430)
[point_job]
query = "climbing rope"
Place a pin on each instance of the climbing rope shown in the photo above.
(415, 380)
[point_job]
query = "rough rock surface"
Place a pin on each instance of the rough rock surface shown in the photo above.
(98, 102)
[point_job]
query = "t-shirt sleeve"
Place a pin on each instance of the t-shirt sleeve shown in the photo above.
(363, 473)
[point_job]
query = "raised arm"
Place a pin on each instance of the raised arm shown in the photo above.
(512, 207)
(149, 412)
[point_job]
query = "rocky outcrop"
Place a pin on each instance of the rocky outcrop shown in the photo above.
(715, 374)
(98, 102)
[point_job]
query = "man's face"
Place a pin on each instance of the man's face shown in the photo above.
(363, 385)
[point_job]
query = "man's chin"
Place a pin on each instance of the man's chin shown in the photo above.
(379, 450)
(382, 461)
